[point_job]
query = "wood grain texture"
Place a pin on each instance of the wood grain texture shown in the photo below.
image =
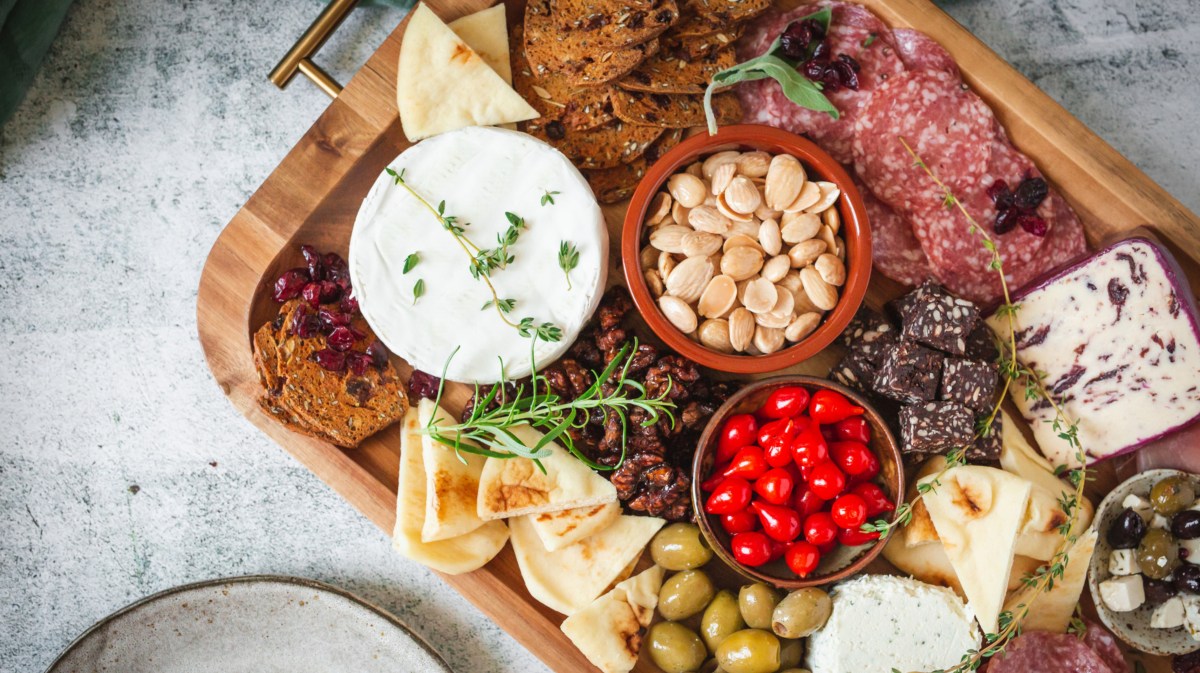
(314, 194)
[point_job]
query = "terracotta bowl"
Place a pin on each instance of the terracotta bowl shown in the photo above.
(843, 562)
(855, 231)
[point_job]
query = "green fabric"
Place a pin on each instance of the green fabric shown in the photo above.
(27, 27)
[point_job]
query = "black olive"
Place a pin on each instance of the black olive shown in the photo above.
(1127, 531)
(1187, 578)
(1158, 591)
(1186, 525)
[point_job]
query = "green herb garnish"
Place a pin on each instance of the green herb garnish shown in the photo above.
(548, 197)
(411, 262)
(568, 259)
(418, 290)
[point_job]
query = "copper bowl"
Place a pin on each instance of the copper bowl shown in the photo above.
(844, 561)
(855, 231)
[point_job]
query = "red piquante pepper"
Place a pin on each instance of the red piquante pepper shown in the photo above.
(785, 402)
(876, 500)
(778, 522)
(752, 548)
(738, 431)
(731, 495)
(854, 538)
(775, 486)
(802, 558)
(741, 521)
(853, 429)
(830, 406)
(749, 463)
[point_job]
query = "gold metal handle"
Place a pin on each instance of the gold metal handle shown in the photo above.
(299, 57)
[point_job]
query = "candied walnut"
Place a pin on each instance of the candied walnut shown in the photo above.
(647, 483)
(671, 376)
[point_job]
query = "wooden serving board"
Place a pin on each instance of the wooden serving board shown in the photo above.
(313, 195)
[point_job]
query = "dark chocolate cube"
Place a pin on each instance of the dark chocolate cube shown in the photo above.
(936, 427)
(981, 343)
(971, 383)
(909, 373)
(986, 448)
(938, 319)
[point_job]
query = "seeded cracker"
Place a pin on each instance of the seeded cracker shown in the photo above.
(613, 23)
(583, 68)
(667, 72)
(673, 110)
(603, 147)
(613, 185)
(697, 46)
(554, 95)
(594, 56)
(724, 12)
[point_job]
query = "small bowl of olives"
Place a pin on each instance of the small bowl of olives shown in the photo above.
(1145, 572)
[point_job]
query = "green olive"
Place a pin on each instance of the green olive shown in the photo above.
(1157, 554)
(790, 653)
(684, 594)
(710, 666)
(757, 602)
(680, 546)
(801, 613)
(720, 619)
(674, 648)
(749, 651)
(1172, 495)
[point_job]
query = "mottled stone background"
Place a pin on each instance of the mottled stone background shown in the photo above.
(123, 471)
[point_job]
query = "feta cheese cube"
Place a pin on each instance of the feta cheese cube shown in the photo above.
(1160, 521)
(1191, 615)
(1139, 505)
(1192, 549)
(1124, 594)
(1123, 562)
(1169, 615)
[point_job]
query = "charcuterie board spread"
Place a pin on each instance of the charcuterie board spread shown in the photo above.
(727, 335)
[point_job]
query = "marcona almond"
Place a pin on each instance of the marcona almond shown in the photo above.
(826, 234)
(808, 196)
(785, 179)
(797, 227)
(710, 200)
(678, 313)
(669, 238)
(666, 264)
(829, 196)
(802, 303)
(832, 219)
(841, 248)
(785, 303)
(761, 295)
(769, 237)
(768, 339)
(695, 168)
(700, 244)
(741, 329)
(822, 294)
(748, 228)
(687, 189)
(731, 213)
(831, 269)
(805, 253)
(679, 213)
(649, 256)
(718, 298)
(714, 161)
(776, 268)
(654, 282)
(780, 316)
(754, 164)
(741, 262)
(740, 240)
(791, 281)
(706, 218)
(802, 326)
(689, 278)
(715, 259)
(715, 335)
(722, 177)
(742, 196)
(659, 209)
(765, 212)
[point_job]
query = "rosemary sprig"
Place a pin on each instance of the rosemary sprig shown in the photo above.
(483, 262)
(568, 259)
(534, 403)
(1014, 373)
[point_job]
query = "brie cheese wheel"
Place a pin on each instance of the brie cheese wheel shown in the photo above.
(480, 173)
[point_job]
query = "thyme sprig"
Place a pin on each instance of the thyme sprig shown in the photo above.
(1032, 382)
(568, 259)
(534, 403)
(484, 262)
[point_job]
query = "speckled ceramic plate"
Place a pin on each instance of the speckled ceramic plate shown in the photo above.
(264, 624)
(1133, 627)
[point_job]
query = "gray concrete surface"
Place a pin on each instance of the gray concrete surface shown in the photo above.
(123, 471)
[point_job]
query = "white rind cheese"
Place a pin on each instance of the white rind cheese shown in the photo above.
(880, 623)
(1117, 338)
(480, 173)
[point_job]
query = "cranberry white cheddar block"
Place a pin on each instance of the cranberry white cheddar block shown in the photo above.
(510, 195)
(1117, 338)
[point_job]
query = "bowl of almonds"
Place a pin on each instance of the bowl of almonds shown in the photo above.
(748, 251)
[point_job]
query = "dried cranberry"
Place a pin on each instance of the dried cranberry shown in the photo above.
(330, 292)
(312, 294)
(821, 51)
(1032, 224)
(290, 284)
(1006, 221)
(815, 28)
(358, 334)
(332, 319)
(847, 77)
(336, 270)
(813, 70)
(316, 269)
(423, 386)
(349, 305)
(305, 324)
(849, 60)
(378, 353)
(1000, 195)
(341, 339)
(831, 78)
(1030, 193)
(330, 360)
(358, 363)
(794, 41)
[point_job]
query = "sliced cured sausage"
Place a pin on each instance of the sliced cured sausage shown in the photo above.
(921, 52)
(1105, 644)
(895, 249)
(1042, 652)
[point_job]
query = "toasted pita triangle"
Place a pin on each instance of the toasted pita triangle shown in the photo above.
(442, 84)
(568, 579)
(1052, 610)
(568, 526)
(486, 32)
(608, 631)
(456, 555)
(451, 482)
(515, 486)
(977, 512)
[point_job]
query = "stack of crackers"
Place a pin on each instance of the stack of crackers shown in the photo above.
(617, 81)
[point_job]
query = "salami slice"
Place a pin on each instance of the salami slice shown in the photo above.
(895, 249)
(1042, 652)
(921, 52)
(949, 127)
(1105, 644)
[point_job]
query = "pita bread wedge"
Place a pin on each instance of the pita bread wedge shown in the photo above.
(486, 32)
(1020, 458)
(568, 526)
(454, 556)
(568, 579)
(977, 512)
(443, 84)
(515, 486)
(609, 630)
(1053, 609)
(451, 484)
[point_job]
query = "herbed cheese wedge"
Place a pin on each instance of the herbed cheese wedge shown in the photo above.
(609, 630)
(456, 555)
(568, 579)
(977, 512)
(515, 486)
(1052, 610)
(566, 527)
(452, 482)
